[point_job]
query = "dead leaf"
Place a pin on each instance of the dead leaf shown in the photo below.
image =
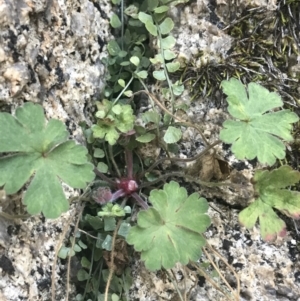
(121, 258)
(209, 167)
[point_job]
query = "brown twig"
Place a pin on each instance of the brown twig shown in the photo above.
(112, 257)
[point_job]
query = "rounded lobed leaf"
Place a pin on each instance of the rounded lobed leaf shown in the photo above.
(269, 188)
(174, 222)
(43, 153)
(257, 131)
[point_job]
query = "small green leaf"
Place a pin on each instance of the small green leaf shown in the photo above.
(151, 116)
(167, 43)
(174, 222)
(145, 138)
(135, 60)
(169, 55)
(131, 11)
(158, 59)
(109, 223)
(161, 9)
(151, 28)
(95, 221)
(173, 67)
(142, 74)
(82, 275)
(178, 88)
(166, 26)
(126, 63)
(152, 4)
(82, 245)
(113, 48)
(115, 21)
(124, 229)
(85, 263)
(102, 167)
(115, 297)
(159, 75)
(64, 252)
(145, 62)
(99, 153)
(106, 245)
(121, 82)
(76, 248)
(143, 17)
(128, 93)
(172, 135)
(122, 53)
(256, 131)
(116, 2)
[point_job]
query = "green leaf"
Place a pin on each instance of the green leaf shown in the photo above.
(151, 28)
(106, 245)
(159, 75)
(131, 11)
(82, 275)
(169, 55)
(122, 53)
(135, 60)
(120, 118)
(178, 88)
(115, 21)
(269, 189)
(113, 48)
(173, 67)
(121, 82)
(99, 153)
(41, 150)
(142, 74)
(257, 131)
(102, 167)
(167, 43)
(152, 4)
(157, 59)
(109, 223)
(151, 116)
(172, 135)
(143, 17)
(145, 138)
(164, 231)
(166, 26)
(124, 229)
(128, 93)
(161, 9)
(64, 252)
(76, 248)
(95, 221)
(85, 263)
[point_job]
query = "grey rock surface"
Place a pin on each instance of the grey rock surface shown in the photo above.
(50, 54)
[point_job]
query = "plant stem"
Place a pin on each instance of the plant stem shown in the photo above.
(140, 201)
(181, 159)
(112, 257)
(104, 177)
(111, 156)
(121, 93)
(119, 193)
(129, 163)
(189, 178)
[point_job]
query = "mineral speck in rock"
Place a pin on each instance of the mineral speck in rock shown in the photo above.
(6, 265)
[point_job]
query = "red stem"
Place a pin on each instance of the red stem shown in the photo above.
(129, 163)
